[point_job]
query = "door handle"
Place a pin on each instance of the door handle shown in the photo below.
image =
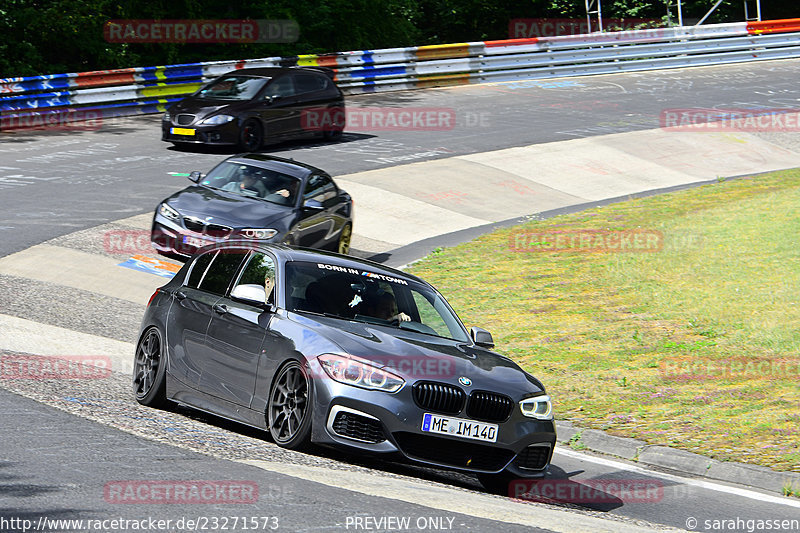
(220, 308)
(180, 295)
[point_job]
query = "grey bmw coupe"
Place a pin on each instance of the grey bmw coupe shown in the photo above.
(322, 348)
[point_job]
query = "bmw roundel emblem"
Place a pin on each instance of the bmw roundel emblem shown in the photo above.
(465, 381)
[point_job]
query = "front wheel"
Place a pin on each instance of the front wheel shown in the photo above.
(289, 411)
(344, 239)
(251, 137)
(149, 369)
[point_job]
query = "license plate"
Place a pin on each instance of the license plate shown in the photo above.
(181, 131)
(194, 241)
(459, 427)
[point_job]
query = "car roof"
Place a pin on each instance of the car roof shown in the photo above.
(271, 72)
(288, 253)
(271, 162)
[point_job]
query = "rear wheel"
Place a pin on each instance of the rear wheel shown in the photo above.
(289, 410)
(149, 369)
(344, 239)
(251, 138)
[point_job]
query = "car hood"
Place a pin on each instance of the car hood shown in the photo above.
(226, 208)
(204, 107)
(417, 356)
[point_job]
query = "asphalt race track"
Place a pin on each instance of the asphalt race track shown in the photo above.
(61, 290)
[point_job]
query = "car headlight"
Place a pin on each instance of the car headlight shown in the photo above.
(537, 407)
(216, 120)
(351, 371)
(167, 212)
(259, 233)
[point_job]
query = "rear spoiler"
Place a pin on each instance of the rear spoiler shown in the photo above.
(325, 70)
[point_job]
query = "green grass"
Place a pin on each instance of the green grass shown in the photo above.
(695, 346)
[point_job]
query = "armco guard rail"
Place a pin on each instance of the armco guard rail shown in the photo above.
(39, 100)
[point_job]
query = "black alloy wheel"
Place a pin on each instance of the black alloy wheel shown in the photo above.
(149, 382)
(289, 410)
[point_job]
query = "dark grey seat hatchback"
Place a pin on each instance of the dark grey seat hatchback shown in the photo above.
(322, 348)
(250, 106)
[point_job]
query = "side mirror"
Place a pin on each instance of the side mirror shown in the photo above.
(272, 99)
(195, 176)
(250, 293)
(312, 205)
(481, 337)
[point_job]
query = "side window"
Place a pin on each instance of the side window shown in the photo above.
(309, 83)
(260, 270)
(198, 269)
(315, 188)
(283, 86)
(429, 316)
(319, 187)
(222, 269)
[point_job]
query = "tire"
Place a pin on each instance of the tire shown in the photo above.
(290, 408)
(251, 136)
(345, 236)
(149, 370)
(497, 483)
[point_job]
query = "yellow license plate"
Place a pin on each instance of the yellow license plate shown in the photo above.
(181, 131)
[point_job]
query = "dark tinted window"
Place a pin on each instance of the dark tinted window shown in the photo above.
(199, 268)
(283, 86)
(221, 271)
(308, 83)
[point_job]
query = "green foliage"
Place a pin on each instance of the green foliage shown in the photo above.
(52, 36)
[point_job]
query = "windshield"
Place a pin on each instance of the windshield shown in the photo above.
(256, 182)
(364, 296)
(232, 88)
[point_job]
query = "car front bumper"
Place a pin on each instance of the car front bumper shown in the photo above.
(390, 424)
(222, 135)
(170, 237)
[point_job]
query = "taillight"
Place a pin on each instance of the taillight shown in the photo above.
(153, 296)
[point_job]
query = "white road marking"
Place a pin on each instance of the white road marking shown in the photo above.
(454, 500)
(709, 485)
(26, 336)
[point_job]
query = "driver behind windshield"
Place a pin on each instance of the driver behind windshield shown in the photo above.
(384, 306)
(250, 181)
